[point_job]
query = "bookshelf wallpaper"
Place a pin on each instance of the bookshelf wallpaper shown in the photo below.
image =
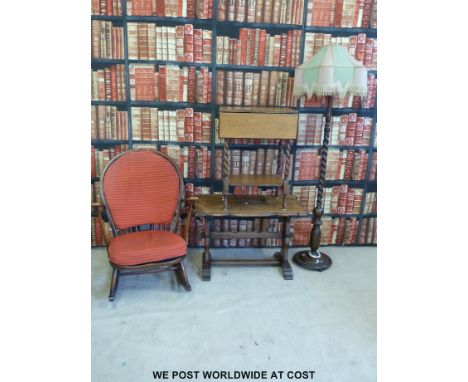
(161, 68)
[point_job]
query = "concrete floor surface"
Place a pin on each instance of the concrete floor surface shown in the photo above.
(245, 318)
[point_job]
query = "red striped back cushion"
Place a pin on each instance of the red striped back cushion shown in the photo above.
(141, 187)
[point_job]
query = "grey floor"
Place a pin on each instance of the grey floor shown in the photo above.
(243, 319)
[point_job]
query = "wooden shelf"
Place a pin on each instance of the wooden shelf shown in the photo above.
(248, 206)
(255, 180)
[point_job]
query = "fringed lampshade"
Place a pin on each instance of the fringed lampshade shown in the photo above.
(331, 71)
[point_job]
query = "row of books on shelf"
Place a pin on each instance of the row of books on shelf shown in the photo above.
(202, 9)
(106, 7)
(107, 40)
(256, 47)
(174, 84)
(108, 84)
(100, 158)
(334, 231)
(162, 128)
(368, 232)
(193, 190)
(250, 225)
(184, 43)
(182, 125)
(274, 88)
(193, 162)
(337, 200)
(268, 11)
(169, 83)
(261, 11)
(108, 123)
(370, 205)
(341, 164)
(363, 49)
(356, 102)
(337, 231)
(249, 162)
(267, 88)
(342, 13)
(345, 130)
(373, 168)
(325, 13)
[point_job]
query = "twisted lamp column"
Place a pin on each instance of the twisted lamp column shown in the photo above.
(313, 259)
(225, 173)
(287, 170)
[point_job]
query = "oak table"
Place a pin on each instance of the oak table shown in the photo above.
(248, 206)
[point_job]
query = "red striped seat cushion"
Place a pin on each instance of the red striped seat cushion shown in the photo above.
(145, 247)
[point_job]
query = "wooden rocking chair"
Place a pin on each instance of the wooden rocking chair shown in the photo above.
(142, 191)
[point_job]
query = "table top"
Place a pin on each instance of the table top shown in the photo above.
(248, 206)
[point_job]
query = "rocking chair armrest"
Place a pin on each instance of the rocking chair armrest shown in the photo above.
(100, 210)
(188, 217)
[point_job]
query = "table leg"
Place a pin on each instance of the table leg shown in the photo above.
(283, 256)
(206, 265)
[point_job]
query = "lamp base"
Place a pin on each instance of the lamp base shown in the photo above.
(313, 261)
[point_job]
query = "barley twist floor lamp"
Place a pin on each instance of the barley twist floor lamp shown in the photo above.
(331, 71)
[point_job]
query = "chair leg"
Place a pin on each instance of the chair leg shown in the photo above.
(114, 282)
(182, 276)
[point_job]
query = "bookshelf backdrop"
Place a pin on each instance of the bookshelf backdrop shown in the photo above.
(161, 68)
